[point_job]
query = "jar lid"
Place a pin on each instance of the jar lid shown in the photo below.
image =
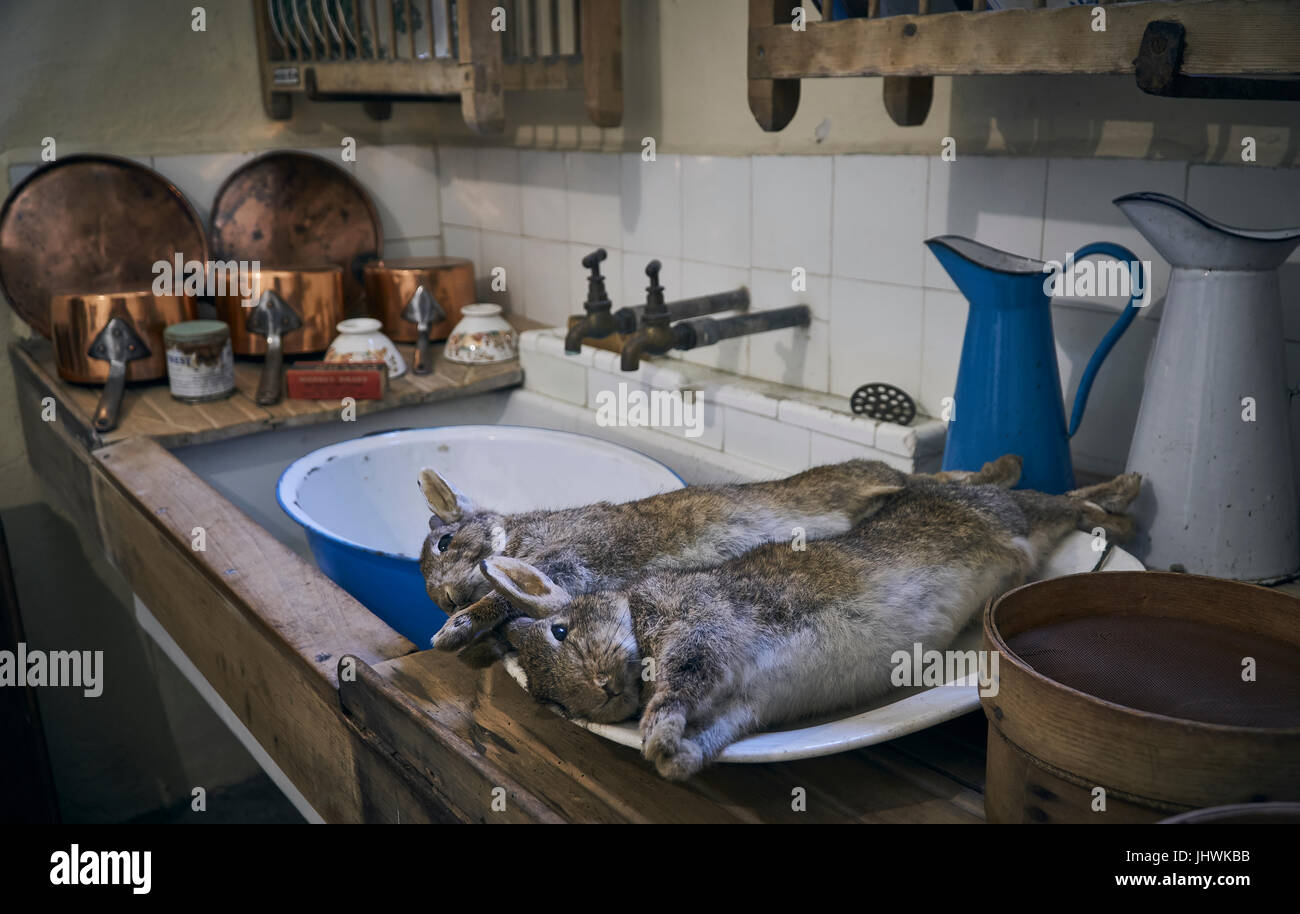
(196, 332)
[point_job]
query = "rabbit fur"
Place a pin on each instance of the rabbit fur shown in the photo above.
(606, 545)
(709, 655)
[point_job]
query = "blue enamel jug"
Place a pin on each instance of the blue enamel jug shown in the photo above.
(1008, 397)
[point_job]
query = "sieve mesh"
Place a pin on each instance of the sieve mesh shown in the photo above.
(1175, 667)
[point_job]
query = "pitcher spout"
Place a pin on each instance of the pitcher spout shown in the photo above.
(1192, 240)
(977, 268)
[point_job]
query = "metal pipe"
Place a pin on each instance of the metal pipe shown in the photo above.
(705, 331)
(735, 300)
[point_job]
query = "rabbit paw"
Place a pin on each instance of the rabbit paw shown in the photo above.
(456, 632)
(674, 756)
(686, 761)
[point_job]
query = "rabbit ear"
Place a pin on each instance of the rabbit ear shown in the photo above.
(874, 497)
(524, 586)
(444, 501)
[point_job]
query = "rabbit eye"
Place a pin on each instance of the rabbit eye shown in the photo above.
(560, 631)
(444, 542)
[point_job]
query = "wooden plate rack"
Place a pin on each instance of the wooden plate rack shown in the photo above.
(1188, 49)
(378, 51)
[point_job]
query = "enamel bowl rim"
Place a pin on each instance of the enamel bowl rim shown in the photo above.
(297, 471)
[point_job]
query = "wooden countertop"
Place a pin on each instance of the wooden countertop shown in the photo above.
(468, 734)
(150, 411)
(367, 726)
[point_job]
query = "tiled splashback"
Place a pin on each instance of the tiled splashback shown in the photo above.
(883, 308)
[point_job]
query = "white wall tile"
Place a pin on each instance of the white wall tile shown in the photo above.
(945, 329)
(768, 441)
(403, 181)
(555, 377)
(199, 176)
(709, 424)
(412, 247)
(792, 213)
(1102, 441)
(635, 281)
(702, 279)
(458, 241)
(828, 449)
(772, 289)
(1080, 210)
(601, 381)
(799, 356)
(331, 154)
(546, 281)
(879, 225)
(543, 197)
(498, 185)
(651, 213)
(716, 222)
(458, 185)
(1254, 197)
(875, 336)
(18, 172)
(595, 205)
(506, 252)
(847, 426)
(741, 396)
(998, 201)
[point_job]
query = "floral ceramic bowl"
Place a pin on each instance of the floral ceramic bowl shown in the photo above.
(361, 340)
(482, 335)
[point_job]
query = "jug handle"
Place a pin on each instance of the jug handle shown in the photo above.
(1136, 283)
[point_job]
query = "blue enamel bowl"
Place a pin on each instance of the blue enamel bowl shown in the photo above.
(360, 504)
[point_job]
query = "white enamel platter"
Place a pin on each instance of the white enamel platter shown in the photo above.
(899, 713)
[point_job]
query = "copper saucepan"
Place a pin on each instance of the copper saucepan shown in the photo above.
(390, 284)
(77, 319)
(315, 293)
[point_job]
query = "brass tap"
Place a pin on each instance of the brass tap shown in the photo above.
(599, 322)
(655, 336)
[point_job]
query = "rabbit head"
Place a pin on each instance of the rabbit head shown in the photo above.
(578, 652)
(461, 534)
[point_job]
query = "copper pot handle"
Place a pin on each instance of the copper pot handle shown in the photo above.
(110, 401)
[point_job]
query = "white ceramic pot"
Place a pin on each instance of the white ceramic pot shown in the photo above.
(361, 340)
(482, 335)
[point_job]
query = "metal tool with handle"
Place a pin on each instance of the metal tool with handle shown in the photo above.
(423, 311)
(272, 317)
(117, 344)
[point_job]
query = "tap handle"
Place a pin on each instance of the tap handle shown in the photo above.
(654, 299)
(597, 297)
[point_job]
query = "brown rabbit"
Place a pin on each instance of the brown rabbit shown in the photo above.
(606, 545)
(708, 656)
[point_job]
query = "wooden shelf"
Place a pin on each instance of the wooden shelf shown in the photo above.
(1224, 38)
(150, 411)
(368, 56)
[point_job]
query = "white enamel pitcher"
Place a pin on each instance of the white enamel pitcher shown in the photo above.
(1212, 436)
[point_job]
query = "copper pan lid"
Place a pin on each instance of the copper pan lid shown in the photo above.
(90, 223)
(289, 208)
